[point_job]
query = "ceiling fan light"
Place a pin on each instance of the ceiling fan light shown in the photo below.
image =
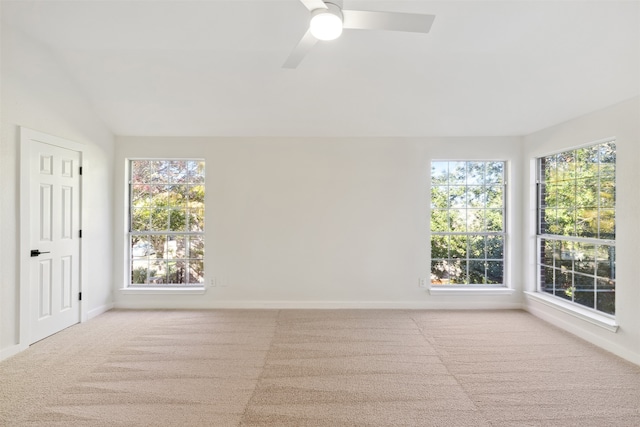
(326, 24)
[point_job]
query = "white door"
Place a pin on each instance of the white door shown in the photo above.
(54, 223)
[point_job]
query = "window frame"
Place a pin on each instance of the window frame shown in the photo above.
(131, 234)
(503, 233)
(575, 240)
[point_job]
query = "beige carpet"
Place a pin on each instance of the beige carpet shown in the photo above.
(317, 368)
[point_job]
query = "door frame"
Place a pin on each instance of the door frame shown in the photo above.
(27, 136)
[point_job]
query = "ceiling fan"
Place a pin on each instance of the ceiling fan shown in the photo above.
(328, 18)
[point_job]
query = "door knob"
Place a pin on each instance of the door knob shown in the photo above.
(36, 252)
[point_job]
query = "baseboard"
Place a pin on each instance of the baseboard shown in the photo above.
(99, 310)
(241, 304)
(11, 351)
(562, 321)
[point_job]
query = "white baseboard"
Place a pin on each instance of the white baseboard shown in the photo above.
(587, 331)
(11, 351)
(242, 304)
(98, 311)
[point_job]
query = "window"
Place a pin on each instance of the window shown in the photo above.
(467, 222)
(576, 226)
(166, 222)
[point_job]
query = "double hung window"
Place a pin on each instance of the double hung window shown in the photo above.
(467, 222)
(576, 226)
(166, 227)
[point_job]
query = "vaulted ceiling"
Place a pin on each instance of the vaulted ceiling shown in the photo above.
(214, 67)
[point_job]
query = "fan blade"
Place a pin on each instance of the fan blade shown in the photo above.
(305, 44)
(392, 21)
(314, 4)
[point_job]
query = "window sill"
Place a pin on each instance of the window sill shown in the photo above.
(163, 291)
(459, 290)
(570, 309)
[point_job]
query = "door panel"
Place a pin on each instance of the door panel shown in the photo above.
(55, 225)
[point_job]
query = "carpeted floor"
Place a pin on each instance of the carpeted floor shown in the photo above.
(317, 368)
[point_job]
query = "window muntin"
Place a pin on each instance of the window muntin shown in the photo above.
(166, 228)
(576, 226)
(467, 222)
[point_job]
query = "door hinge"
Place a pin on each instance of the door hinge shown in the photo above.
(80, 234)
(80, 170)
(79, 296)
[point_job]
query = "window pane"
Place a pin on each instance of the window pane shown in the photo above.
(139, 271)
(158, 272)
(180, 244)
(458, 220)
(458, 246)
(475, 173)
(584, 290)
(585, 258)
(140, 218)
(606, 301)
(547, 248)
(476, 196)
(196, 271)
(494, 173)
(495, 271)
(607, 194)
(494, 220)
(605, 261)
(476, 220)
(196, 196)
(457, 173)
(607, 224)
(177, 272)
(159, 219)
(477, 246)
(177, 171)
(439, 173)
(495, 247)
(439, 247)
(587, 192)
(196, 171)
(439, 273)
(439, 197)
(548, 169)
(587, 161)
(586, 222)
(439, 220)
(477, 272)
(547, 279)
(495, 197)
(457, 196)
(177, 219)
(566, 166)
(196, 247)
(458, 272)
(196, 220)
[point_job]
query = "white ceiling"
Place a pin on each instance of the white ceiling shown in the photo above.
(214, 67)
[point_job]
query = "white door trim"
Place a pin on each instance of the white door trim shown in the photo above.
(26, 137)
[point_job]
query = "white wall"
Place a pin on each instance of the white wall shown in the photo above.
(312, 222)
(37, 93)
(621, 121)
